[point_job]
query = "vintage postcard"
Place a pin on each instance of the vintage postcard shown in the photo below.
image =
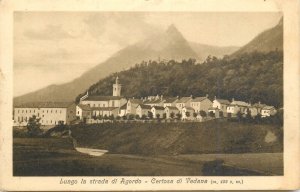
(149, 95)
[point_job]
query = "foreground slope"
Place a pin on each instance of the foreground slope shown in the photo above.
(179, 138)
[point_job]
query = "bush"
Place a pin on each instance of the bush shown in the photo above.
(203, 113)
(211, 114)
(33, 126)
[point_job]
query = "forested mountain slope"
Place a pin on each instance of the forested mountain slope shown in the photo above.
(250, 77)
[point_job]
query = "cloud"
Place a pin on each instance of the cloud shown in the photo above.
(123, 28)
(50, 32)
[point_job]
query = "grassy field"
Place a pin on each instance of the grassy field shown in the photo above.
(56, 157)
(180, 138)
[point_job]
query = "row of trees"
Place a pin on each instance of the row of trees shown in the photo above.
(150, 116)
(276, 119)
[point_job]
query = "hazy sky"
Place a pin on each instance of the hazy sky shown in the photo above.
(56, 47)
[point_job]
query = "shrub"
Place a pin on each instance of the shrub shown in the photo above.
(203, 113)
(33, 126)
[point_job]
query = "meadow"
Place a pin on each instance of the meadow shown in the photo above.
(154, 149)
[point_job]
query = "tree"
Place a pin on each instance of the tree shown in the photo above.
(150, 115)
(187, 114)
(195, 115)
(34, 126)
(124, 117)
(144, 117)
(203, 113)
(164, 116)
(178, 116)
(157, 116)
(111, 117)
(248, 115)
(100, 117)
(118, 118)
(105, 117)
(239, 116)
(221, 114)
(211, 114)
(172, 115)
(257, 118)
(131, 117)
(137, 117)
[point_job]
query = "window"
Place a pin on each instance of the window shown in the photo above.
(47, 111)
(26, 111)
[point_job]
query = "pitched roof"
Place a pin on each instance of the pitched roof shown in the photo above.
(259, 105)
(240, 103)
(102, 98)
(153, 101)
(223, 101)
(158, 107)
(45, 105)
(104, 108)
(84, 107)
(199, 99)
(124, 106)
(268, 107)
(172, 108)
(136, 101)
(183, 99)
(189, 108)
(144, 106)
(213, 108)
(170, 99)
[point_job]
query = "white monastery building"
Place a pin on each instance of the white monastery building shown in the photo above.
(49, 113)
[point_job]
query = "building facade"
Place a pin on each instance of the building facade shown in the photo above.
(201, 104)
(49, 113)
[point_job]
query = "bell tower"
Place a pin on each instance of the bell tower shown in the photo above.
(117, 88)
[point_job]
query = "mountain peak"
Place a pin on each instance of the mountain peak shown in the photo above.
(280, 23)
(172, 30)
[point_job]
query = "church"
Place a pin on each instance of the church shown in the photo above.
(91, 106)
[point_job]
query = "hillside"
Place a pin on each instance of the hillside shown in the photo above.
(179, 138)
(250, 77)
(269, 40)
(203, 50)
(168, 45)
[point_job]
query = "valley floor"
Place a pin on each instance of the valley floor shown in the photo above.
(56, 157)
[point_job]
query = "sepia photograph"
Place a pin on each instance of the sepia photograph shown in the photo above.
(141, 93)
